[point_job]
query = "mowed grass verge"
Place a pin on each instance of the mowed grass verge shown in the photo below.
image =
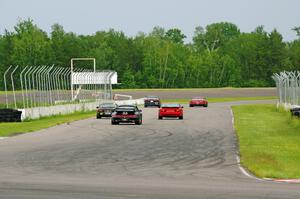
(222, 99)
(269, 141)
(14, 128)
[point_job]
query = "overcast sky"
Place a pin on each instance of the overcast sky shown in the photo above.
(133, 16)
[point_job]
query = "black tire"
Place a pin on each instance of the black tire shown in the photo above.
(191, 105)
(114, 123)
(98, 116)
(181, 117)
(160, 118)
(145, 106)
(206, 105)
(139, 121)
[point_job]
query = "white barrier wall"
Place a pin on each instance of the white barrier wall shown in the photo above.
(131, 102)
(37, 112)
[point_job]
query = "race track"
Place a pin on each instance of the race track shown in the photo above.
(161, 159)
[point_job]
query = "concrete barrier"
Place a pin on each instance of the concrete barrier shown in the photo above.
(130, 102)
(37, 112)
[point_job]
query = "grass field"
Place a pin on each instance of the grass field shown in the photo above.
(222, 99)
(179, 89)
(10, 129)
(269, 141)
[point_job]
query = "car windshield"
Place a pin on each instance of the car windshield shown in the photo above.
(126, 107)
(198, 98)
(171, 106)
(152, 97)
(108, 105)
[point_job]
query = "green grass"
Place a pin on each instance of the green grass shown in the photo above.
(269, 141)
(10, 129)
(179, 89)
(222, 99)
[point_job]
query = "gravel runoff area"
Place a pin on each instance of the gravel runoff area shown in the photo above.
(206, 92)
(162, 159)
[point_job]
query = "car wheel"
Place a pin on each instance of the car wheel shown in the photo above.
(98, 117)
(138, 122)
(206, 105)
(114, 123)
(191, 105)
(181, 117)
(160, 118)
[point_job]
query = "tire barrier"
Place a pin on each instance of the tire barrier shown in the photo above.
(295, 112)
(10, 115)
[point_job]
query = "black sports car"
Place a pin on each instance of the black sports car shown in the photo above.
(127, 114)
(105, 109)
(151, 101)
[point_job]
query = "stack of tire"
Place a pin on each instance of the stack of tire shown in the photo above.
(295, 112)
(10, 115)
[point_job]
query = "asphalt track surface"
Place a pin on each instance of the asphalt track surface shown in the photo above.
(161, 159)
(206, 92)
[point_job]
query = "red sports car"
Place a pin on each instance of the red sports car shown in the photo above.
(170, 110)
(199, 101)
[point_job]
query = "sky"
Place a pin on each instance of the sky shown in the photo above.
(133, 16)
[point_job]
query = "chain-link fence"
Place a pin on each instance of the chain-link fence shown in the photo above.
(288, 88)
(47, 90)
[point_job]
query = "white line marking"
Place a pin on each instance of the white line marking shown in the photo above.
(244, 171)
(287, 180)
(2, 138)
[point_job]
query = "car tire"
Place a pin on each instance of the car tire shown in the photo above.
(138, 122)
(145, 106)
(98, 117)
(114, 123)
(160, 118)
(181, 117)
(191, 105)
(206, 105)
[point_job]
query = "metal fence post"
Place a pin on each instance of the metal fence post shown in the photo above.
(13, 85)
(21, 79)
(5, 86)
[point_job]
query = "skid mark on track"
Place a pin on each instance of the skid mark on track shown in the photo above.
(150, 153)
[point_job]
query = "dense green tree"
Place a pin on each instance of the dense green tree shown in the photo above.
(214, 36)
(175, 35)
(219, 55)
(31, 45)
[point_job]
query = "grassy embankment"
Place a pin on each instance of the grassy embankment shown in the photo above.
(10, 129)
(269, 141)
(180, 89)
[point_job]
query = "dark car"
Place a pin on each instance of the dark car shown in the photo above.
(105, 109)
(151, 101)
(127, 114)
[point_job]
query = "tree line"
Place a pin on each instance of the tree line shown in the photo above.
(219, 55)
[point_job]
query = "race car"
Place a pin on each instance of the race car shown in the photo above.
(170, 110)
(198, 101)
(151, 101)
(127, 114)
(105, 109)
